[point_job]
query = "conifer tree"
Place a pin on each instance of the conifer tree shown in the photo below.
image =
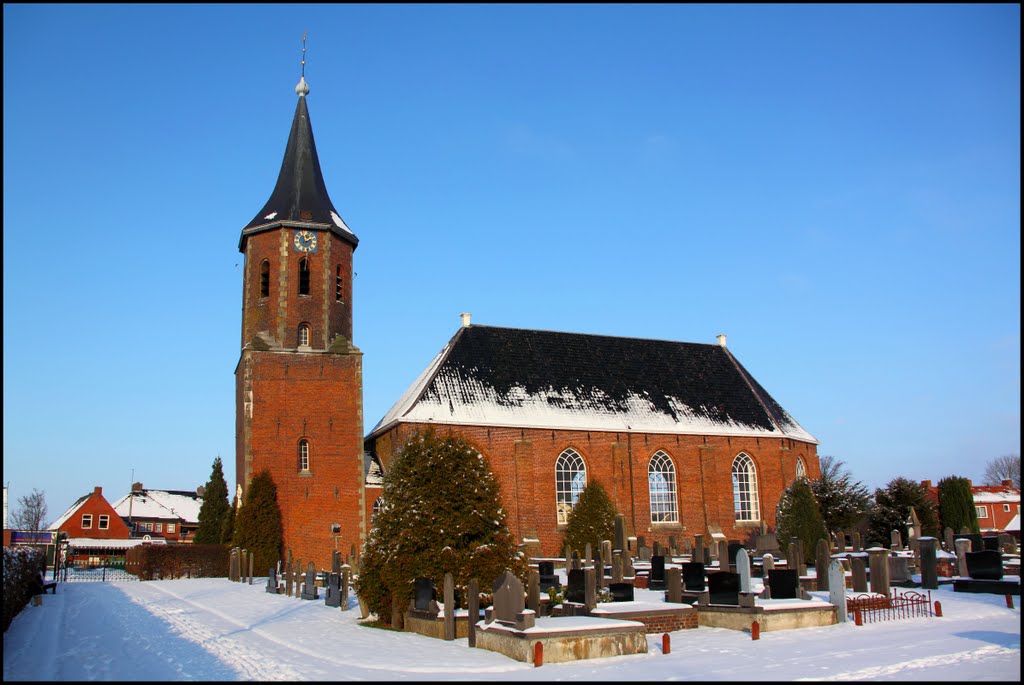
(892, 509)
(441, 514)
(258, 523)
(843, 501)
(799, 516)
(215, 507)
(227, 531)
(592, 519)
(956, 505)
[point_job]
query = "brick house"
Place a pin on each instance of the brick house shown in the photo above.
(172, 515)
(995, 505)
(96, 533)
(682, 437)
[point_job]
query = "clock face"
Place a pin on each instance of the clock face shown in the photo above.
(305, 241)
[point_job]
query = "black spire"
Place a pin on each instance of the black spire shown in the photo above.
(300, 196)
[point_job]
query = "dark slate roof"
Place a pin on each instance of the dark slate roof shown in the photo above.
(300, 197)
(545, 379)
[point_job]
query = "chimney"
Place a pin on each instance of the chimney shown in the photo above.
(136, 487)
(97, 490)
(465, 319)
(200, 490)
(1006, 483)
(926, 484)
(721, 339)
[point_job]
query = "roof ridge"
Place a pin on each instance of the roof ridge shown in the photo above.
(593, 335)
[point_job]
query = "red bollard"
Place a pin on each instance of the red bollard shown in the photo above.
(538, 655)
(666, 645)
(857, 620)
(938, 608)
(755, 631)
(1009, 601)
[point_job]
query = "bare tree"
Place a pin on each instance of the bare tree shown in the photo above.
(31, 511)
(1006, 467)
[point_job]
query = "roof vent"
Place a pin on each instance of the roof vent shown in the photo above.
(721, 339)
(465, 319)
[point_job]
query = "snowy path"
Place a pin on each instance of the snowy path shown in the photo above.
(211, 629)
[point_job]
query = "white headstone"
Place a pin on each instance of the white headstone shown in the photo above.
(963, 546)
(768, 563)
(743, 568)
(837, 589)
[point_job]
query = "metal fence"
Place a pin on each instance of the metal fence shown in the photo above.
(96, 574)
(876, 608)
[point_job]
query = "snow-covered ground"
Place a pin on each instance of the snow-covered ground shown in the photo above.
(213, 629)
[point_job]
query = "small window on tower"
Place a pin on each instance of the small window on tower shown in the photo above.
(337, 285)
(265, 279)
(303, 276)
(304, 455)
(303, 335)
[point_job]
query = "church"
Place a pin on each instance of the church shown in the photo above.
(681, 436)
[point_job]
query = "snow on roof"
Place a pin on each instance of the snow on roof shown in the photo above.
(1014, 523)
(994, 494)
(67, 514)
(161, 504)
(373, 471)
(491, 376)
(97, 543)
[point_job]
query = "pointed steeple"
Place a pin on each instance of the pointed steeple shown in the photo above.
(300, 197)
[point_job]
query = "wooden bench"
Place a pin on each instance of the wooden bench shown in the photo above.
(42, 586)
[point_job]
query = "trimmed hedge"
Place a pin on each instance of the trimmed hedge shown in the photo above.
(21, 566)
(160, 562)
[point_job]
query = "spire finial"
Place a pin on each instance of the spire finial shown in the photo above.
(303, 88)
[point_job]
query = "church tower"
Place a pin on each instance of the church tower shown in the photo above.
(298, 383)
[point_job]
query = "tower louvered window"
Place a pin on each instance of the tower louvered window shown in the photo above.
(337, 285)
(264, 278)
(303, 276)
(661, 478)
(744, 489)
(570, 479)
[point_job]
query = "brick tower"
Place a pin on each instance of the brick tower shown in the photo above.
(298, 383)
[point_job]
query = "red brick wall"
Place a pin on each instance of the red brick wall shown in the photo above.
(523, 461)
(95, 505)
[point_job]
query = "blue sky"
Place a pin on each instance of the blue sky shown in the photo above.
(836, 188)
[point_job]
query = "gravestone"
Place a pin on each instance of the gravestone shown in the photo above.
(733, 549)
(784, 583)
(533, 591)
(947, 539)
(656, 580)
(548, 578)
(643, 553)
(336, 562)
(576, 565)
(975, 538)
(617, 573)
(423, 594)
(272, 581)
(899, 572)
(985, 565)
(346, 574)
(693, 576)
(791, 556)
(724, 588)
(743, 569)
(621, 592)
(837, 589)
(568, 558)
(822, 558)
(309, 590)
(576, 588)
(896, 541)
(252, 559)
(839, 541)
(333, 596)
(767, 542)
(298, 577)
(858, 573)
(855, 541)
(672, 549)
(627, 567)
(233, 565)
(606, 551)
(929, 563)
(878, 561)
(698, 549)
(673, 585)
(509, 603)
(288, 575)
(657, 551)
(474, 610)
(599, 569)
(449, 607)
(620, 532)
(1007, 545)
(589, 588)
(767, 564)
(913, 525)
(963, 546)
(723, 555)
(990, 542)
(588, 554)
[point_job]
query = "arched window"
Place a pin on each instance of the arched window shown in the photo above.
(801, 468)
(661, 477)
(303, 276)
(304, 335)
(264, 278)
(337, 284)
(303, 455)
(570, 479)
(744, 489)
(377, 505)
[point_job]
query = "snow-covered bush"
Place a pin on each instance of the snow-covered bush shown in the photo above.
(21, 567)
(442, 514)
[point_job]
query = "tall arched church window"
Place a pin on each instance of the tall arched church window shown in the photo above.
(303, 455)
(661, 478)
(801, 468)
(570, 479)
(264, 278)
(377, 505)
(303, 276)
(744, 489)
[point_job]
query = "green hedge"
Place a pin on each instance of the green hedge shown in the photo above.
(21, 565)
(158, 562)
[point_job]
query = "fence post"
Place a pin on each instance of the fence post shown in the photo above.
(755, 631)
(938, 608)
(1009, 601)
(538, 654)
(857, 620)
(666, 644)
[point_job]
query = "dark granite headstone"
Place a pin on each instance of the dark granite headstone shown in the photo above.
(272, 581)
(620, 532)
(693, 577)
(733, 550)
(576, 589)
(309, 590)
(548, 579)
(985, 565)
(990, 542)
(975, 538)
(425, 593)
(656, 580)
(784, 583)
(621, 592)
(333, 597)
(724, 588)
